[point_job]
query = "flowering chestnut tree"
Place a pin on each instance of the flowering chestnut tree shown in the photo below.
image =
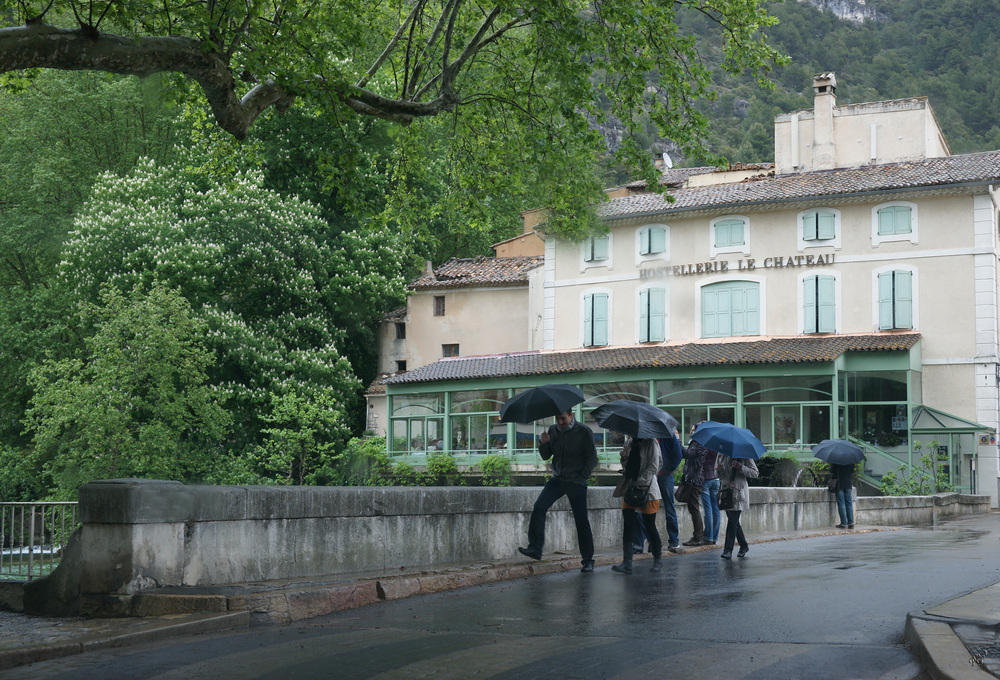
(277, 292)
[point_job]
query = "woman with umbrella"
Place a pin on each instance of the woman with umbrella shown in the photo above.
(640, 461)
(738, 449)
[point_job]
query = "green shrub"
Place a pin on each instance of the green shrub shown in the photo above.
(404, 474)
(441, 470)
(496, 470)
(930, 476)
(364, 463)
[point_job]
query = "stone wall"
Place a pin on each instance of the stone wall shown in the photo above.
(140, 534)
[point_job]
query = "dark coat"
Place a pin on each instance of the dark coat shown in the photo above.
(694, 461)
(573, 453)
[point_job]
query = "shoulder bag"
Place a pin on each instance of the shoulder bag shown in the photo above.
(635, 495)
(684, 493)
(726, 496)
(832, 485)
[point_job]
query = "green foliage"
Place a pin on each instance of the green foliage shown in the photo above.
(404, 474)
(496, 470)
(18, 481)
(277, 294)
(441, 470)
(928, 477)
(135, 403)
(299, 446)
(364, 462)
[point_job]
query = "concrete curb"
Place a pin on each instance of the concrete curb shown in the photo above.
(942, 652)
(147, 632)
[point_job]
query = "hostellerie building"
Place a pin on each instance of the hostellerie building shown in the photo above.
(848, 290)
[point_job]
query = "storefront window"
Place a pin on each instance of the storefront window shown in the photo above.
(876, 386)
(788, 388)
(791, 425)
(416, 435)
(603, 439)
(696, 391)
(604, 392)
(417, 404)
(478, 401)
(882, 425)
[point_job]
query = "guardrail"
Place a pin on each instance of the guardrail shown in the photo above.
(32, 536)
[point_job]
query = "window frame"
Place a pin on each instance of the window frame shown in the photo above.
(836, 314)
(911, 236)
(439, 309)
(445, 353)
(759, 282)
(877, 301)
(833, 241)
(663, 254)
(587, 249)
(584, 304)
(645, 325)
(716, 249)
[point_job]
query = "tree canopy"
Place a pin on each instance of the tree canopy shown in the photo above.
(549, 63)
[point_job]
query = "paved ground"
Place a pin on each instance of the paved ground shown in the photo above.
(490, 631)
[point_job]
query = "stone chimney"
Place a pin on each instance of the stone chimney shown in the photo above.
(824, 100)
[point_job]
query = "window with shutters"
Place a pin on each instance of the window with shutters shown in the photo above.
(819, 227)
(730, 234)
(895, 221)
(595, 319)
(652, 240)
(597, 249)
(819, 304)
(895, 299)
(652, 315)
(730, 309)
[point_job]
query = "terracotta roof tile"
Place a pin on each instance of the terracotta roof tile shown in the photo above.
(479, 271)
(935, 172)
(716, 352)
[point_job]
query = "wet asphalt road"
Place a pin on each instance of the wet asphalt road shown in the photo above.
(829, 607)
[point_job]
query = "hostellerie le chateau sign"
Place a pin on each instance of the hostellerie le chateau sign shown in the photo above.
(749, 264)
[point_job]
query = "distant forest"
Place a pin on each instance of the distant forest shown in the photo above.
(946, 50)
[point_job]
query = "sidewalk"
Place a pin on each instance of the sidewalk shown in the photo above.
(938, 636)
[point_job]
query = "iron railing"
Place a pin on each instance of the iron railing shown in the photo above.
(32, 537)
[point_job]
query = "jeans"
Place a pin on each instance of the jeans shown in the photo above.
(845, 506)
(710, 504)
(666, 483)
(553, 490)
(734, 531)
(630, 522)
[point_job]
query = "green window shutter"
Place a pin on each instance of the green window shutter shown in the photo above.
(736, 229)
(644, 241)
(709, 313)
(588, 320)
(809, 305)
(903, 299)
(657, 240)
(644, 315)
(657, 300)
(600, 319)
(885, 302)
(730, 309)
(729, 233)
(826, 226)
(809, 231)
(826, 297)
(894, 220)
(601, 247)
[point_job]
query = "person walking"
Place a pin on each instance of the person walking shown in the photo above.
(694, 461)
(640, 462)
(672, 454)
(735, 472)
(710, 497)
(844, 475)
(570, 445)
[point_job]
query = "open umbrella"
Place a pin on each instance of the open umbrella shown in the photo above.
(735, 442)
(635, 418)
(839, 452)
(544, 401)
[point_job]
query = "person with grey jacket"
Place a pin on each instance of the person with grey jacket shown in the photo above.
(640, 463)
(734, 473)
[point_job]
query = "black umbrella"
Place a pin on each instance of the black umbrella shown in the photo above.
(838, 452)
(540, 402)
(637, 419)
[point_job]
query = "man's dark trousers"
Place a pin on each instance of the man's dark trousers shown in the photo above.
(553, 490)
(666, 483)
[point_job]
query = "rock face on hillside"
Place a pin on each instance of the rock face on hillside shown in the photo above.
(848, 10)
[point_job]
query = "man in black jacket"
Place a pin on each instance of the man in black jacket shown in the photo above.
(570, 445)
